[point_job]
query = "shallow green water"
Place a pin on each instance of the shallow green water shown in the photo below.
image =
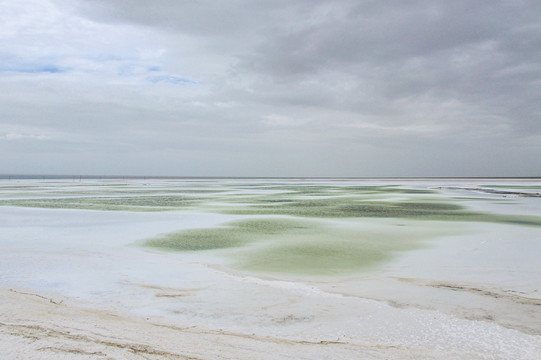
(291, 199)
(285, 245)
(350, 207)
(233, 234)
(130, 203)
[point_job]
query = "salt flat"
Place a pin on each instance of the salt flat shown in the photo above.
(270, 269)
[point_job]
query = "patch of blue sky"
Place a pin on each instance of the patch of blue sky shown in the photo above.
(32, 69)
(15, 64)
(152, 73)
(170, 79)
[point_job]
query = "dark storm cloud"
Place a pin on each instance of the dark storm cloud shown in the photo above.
(485, 55)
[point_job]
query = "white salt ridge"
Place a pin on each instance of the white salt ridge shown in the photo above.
(294, 287)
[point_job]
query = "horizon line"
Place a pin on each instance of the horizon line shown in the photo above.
(179, 177)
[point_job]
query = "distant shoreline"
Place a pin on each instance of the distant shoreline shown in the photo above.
(154, 177)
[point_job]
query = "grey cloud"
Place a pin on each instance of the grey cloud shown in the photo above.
(274, 87)
(202, 18)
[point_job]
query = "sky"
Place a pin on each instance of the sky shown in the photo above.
(270, 88)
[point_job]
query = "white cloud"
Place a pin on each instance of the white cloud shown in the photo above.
(18, 136)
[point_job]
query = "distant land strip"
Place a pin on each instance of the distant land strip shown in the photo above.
(491, 191)
(338, 178)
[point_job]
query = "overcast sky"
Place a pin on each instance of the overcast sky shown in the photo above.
(270, 88)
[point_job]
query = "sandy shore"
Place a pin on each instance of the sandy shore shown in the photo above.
(36, 327)
(33, 326)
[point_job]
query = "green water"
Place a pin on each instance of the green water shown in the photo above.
(126, 203)
(285, 245)
(298, 200)
(233, 234)
(350, 207)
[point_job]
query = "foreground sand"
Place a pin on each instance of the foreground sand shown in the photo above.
(36, 327)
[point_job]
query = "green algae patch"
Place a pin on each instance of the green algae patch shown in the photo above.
(331, 249)
(131, 192)
(233, 234)
(319, 256)
(351, 207)
(308, 247)
(125, 203)
(268, 226)
(199, 239)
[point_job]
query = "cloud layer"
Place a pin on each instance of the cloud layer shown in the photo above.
(280, 88)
